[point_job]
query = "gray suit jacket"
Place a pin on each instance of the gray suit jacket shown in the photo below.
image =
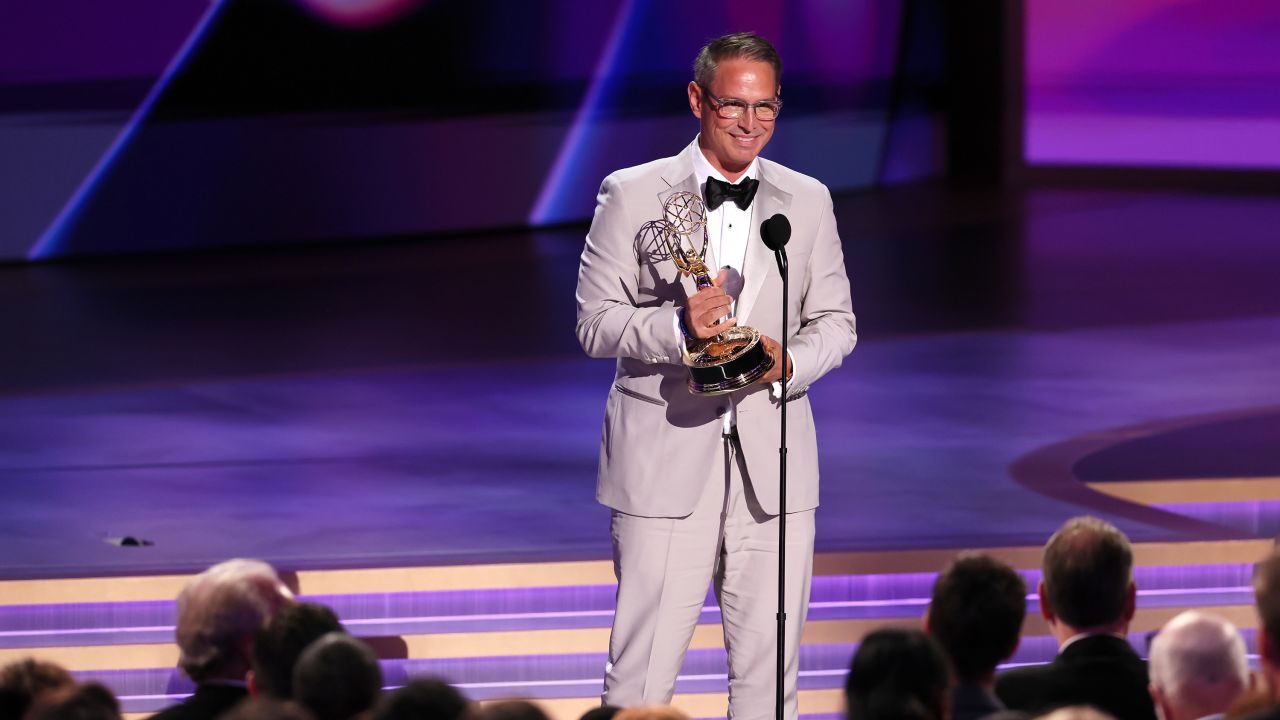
(661, 444)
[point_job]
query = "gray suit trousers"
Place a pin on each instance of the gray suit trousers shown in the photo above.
(664, 567)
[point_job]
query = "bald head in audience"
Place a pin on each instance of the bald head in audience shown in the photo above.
(1198, 666)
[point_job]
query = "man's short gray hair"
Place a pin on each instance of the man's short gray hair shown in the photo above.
(743, 45)
(1198, 663)
(219, 608)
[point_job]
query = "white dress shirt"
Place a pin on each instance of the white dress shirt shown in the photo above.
(728, 232)
(728, 228)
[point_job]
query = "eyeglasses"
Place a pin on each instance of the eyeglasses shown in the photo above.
(733, 108)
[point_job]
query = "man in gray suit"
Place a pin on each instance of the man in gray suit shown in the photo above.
(692, 480)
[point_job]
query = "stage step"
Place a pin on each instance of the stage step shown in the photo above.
(549, 642)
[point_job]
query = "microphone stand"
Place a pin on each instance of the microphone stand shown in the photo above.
(781, 254)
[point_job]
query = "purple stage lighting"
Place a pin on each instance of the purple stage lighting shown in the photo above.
(1152, 83)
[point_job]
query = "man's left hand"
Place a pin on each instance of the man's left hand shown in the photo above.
(774, 349)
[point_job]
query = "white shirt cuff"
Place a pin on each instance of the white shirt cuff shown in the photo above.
(775, 388)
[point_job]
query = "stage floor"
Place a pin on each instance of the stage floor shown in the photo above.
(423, 403)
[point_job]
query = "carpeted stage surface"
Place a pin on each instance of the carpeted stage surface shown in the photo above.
(423, 401)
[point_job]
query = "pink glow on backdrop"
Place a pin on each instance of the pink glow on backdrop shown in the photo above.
(359, 13)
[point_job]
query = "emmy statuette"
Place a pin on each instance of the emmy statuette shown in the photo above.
(736, 357)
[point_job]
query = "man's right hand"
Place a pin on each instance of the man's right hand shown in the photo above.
(706, 309)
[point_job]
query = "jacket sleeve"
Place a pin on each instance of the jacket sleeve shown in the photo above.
(828, 330)
(610, 323)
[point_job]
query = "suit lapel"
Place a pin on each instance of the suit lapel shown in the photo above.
(770, 199)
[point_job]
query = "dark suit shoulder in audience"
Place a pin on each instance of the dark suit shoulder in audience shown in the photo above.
(1099, 670)
(1008, 715)
(262, 707)
(971, 702)
(208, 702)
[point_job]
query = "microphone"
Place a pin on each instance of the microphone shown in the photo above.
(775, 232)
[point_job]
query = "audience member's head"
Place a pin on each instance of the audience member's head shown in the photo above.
(898, 673)
(267, 708)
(90, 701)
(280, 642)
(1198, 666)
(337, 677)
(1088, 579)
(24, 681)
(651, 712)
(425, 699)
(512, 710)
(1077, 712)
(1266, 590)
(976, 614)
(219, 612)
(604, 712)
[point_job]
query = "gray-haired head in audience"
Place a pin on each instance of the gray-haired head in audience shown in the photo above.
(219, 612)
(1198, 666)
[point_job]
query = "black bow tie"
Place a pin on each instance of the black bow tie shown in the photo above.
(741, 194)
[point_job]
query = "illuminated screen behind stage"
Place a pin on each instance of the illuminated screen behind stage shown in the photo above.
(174, 124)
(1157, 83)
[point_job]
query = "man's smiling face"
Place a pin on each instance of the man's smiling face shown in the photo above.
(731, 145)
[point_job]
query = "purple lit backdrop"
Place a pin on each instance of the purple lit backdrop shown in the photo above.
(72, 73)
(125, 139)
(61, 41)
(1165, 83)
